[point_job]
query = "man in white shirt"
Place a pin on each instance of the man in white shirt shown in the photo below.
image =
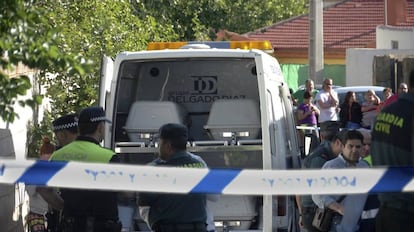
(327, 102)
(348, 211)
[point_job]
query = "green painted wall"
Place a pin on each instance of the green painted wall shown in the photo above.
(296, 74)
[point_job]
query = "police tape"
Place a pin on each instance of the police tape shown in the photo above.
(124, 177)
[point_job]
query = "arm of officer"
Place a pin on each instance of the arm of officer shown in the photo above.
(51, 197)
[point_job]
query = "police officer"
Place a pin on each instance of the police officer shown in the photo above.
(327, 150)
(392, 145)
(175, 212)
(89, 210)
(65, 129)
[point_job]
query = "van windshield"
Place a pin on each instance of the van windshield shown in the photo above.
(150, 92)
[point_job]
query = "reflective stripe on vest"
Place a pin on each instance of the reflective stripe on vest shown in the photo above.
(368, 214)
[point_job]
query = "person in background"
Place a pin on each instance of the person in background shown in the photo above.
(366, 154)
(89, 210)
(307, 112)
(175, 212)
(348, 211)
(328, 103)
(387, 93)
(367, 221)
(293, 99)
(402, 89)
(369, 108)
(306, 116)
(350, 115)
(393, 147)
(41, 198)
(310, 87)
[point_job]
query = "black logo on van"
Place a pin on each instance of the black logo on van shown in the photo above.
(204, 85)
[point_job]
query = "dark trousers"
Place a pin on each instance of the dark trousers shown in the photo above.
(392, 219)
(307, 217)
(53, 221)
(182, 227)
(89, 224)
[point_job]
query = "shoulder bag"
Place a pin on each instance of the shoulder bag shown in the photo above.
(323, 217)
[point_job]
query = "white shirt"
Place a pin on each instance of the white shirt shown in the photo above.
(327, 114)
(353, 203)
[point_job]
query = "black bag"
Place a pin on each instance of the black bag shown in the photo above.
(323, 217)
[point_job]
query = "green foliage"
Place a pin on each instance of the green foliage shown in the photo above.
(64, 41)
(199, 20)
(92, 29)
(27, 38)
(68, 38)
(35, 134)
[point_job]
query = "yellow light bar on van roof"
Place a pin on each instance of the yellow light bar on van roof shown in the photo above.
(165, 45)
(246, 45)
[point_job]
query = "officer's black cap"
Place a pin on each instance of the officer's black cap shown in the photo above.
(173, 131)
(92, 114)
(66, 122)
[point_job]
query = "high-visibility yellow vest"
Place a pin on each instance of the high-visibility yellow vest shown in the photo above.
(83, 151)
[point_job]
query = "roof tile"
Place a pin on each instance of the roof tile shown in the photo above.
(349, 24)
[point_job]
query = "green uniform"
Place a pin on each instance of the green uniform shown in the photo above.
(392, 138)
(315, 160)
(176, 208)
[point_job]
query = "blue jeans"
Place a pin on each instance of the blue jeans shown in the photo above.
(352, 125)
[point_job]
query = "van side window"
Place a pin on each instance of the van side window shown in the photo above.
(271, 115)
(290, 129)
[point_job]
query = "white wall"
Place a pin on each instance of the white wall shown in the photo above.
(359, 63)
(386, 34)
(19, 127)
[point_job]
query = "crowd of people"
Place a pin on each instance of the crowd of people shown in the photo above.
(357, 139)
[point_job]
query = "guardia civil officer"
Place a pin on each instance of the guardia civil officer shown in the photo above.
(175, 212)
(329, 149)
(89, 210)
(392, 145)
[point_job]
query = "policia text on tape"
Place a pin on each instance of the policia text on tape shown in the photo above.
(198, 180)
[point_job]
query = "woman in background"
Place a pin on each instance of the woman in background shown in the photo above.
(307, 111)
(306, 116)
(350, 114)
(369, 108)
(387, 93)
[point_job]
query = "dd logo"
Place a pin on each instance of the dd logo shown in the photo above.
(205, 85)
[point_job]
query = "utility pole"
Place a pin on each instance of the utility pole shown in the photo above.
(315, 55)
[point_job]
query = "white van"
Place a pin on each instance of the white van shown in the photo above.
(234, 101)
